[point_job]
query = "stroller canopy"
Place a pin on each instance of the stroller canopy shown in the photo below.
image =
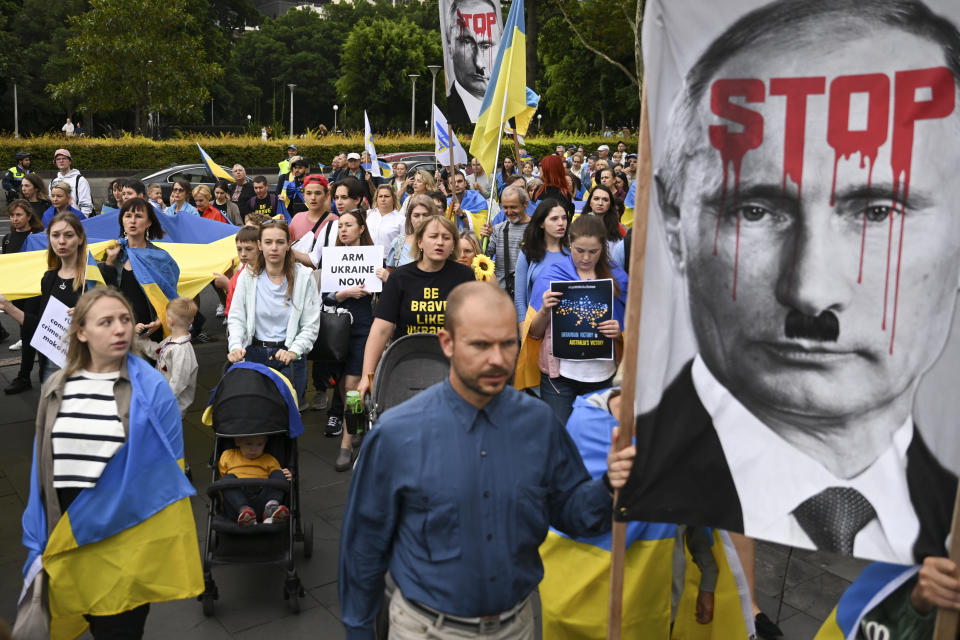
(253, 399)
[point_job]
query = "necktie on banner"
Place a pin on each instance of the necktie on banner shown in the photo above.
(443, 137)
(527, 373)
(131, 538)
(507, 95)
(369, 148)
(215, 169)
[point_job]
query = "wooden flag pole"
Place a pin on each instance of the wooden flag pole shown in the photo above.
(638, 250)
(516, 148)
(948, 621)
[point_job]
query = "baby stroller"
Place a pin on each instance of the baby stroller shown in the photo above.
(407, 367)
(254, 400)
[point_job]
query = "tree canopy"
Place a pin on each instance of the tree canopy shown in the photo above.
(125, 61)
(121, 59)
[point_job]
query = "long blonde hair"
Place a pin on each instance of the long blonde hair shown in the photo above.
(80, 260)
(289, 264)
(78, 353)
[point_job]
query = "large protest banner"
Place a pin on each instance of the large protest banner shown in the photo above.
(796, 344)
(470, 30)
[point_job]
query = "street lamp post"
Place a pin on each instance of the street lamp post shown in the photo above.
(539, 116)
(434, 68)
(413, 101)
(249, 122)
(16, 113)
(211, 111)
(292, 87)
(335, 109)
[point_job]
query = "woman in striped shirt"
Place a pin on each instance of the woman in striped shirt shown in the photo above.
(85, 417)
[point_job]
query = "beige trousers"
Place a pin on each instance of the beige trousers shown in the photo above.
(409, 623)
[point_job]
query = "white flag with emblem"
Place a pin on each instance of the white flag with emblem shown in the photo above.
(368, 146)
(442, 135)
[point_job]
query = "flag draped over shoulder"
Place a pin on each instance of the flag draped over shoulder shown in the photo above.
(874, 584)
(368, 146)
(527, 373)
(214, 168)
(575, 589)
(157, 275)
(131, 538)
(507, 95)
(474, 204)
(629, 203)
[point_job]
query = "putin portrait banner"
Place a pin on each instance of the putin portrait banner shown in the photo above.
(471, 31)
(799, 351)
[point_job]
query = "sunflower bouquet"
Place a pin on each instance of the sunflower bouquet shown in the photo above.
(483, 268)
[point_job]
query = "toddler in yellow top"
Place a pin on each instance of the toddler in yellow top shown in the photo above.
(248, 460)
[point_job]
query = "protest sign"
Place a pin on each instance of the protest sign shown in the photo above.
(784, 295)
(584, 305)
(470, 31)
(345, 267)
(50, 338)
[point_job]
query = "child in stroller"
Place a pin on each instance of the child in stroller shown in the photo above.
(248, 460)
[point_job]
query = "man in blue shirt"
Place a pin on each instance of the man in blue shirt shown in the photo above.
(456, 488)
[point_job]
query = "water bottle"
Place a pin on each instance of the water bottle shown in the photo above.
(354, 413)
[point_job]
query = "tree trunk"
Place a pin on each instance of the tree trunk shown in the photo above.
(532, 68)
(137, 111)
(88, 123)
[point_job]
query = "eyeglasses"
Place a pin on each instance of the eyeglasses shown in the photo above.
(270, 221)
(178, 189)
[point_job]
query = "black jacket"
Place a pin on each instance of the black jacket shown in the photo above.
(681, 475)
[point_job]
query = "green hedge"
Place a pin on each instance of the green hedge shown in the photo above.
(129, 153)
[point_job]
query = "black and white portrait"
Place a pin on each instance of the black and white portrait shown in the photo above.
(471, 31)
(797, 353)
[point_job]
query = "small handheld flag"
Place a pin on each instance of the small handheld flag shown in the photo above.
(215, 169)
(368, 146)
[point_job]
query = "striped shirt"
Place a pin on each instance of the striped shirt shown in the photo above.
(87, 430)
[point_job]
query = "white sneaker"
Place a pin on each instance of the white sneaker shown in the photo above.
(221, 311)
(16, 346)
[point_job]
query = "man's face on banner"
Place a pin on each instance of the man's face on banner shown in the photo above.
(472, 36)
(828, 301)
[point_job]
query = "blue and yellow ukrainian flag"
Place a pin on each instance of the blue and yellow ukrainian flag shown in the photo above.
(877, 581)
(157, 275)
(130, 539)
(575, 590)
(213, 167)
(284, 387)
(728, 609)
(507, 95)
(474, 204)
(527, 373)
(629, 203)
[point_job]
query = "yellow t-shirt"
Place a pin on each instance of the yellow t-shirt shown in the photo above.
(232, 461)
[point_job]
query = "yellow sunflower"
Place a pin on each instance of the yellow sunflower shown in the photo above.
(483, 268)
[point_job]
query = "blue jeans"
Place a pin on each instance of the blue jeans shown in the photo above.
(47, 368)
(261, 355)
(560, 393)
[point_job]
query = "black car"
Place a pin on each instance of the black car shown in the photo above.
(195, 174)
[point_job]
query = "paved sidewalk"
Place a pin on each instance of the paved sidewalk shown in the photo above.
(251, 601)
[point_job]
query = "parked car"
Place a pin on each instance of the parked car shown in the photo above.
(195, 174)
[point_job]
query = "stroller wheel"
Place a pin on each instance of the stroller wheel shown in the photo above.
(308, 540)
(293, 601)
(207, 600)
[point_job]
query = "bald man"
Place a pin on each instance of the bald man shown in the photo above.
(456, 488)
